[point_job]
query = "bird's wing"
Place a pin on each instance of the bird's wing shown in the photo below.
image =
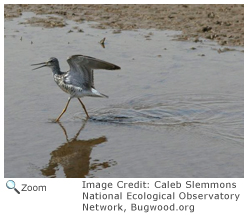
(81, 69)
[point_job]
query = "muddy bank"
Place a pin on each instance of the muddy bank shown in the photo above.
(222, 23)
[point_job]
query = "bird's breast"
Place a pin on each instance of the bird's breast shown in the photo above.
(74, 91)
(63, 86)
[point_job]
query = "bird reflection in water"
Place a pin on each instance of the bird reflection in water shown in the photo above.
(74, 156)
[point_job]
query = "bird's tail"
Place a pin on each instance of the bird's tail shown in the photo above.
(104, 96)
(98, 94)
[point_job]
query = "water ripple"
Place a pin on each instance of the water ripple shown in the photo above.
(214, 113)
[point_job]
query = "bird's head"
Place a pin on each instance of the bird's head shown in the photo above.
(52, 63)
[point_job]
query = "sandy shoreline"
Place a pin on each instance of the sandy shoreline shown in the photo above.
(221, 23)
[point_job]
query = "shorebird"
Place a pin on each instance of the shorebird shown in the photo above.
(78, 81)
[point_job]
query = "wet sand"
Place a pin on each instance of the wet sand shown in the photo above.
(221, 23)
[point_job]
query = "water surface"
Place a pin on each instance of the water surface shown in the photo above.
(175, 109)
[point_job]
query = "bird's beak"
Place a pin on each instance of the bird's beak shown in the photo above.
(43, 65)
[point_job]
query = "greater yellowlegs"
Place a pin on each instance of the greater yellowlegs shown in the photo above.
(78, 81)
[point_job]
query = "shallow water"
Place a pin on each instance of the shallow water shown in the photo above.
(171, 112)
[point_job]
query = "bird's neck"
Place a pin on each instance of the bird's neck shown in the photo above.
(56, 70)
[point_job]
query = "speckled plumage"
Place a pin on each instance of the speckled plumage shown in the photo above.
(79, 80)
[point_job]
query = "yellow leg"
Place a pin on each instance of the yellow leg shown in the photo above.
(63, 110)
(83, 107)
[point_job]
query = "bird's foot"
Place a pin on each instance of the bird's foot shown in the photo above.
(54, 120)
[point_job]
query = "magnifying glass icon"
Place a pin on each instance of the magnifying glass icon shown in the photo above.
(11, 185)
